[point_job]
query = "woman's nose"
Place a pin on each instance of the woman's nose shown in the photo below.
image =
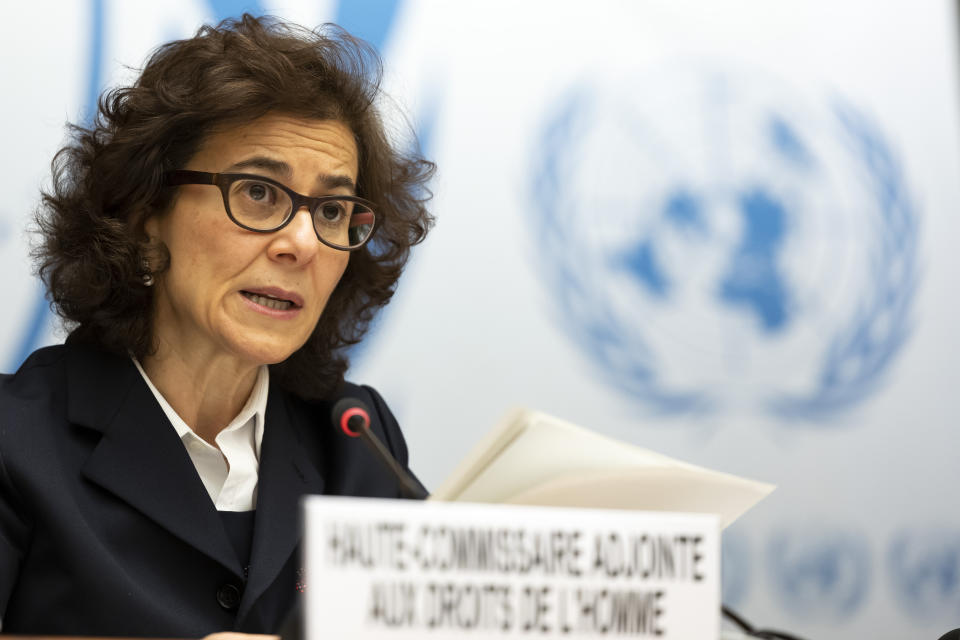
(298, 240)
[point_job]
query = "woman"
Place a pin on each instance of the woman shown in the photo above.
(229, 224)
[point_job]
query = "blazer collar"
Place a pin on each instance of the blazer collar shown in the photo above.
(140, 458)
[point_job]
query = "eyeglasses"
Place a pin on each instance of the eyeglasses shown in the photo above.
(263, 205)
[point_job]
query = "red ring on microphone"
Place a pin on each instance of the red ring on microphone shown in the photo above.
(345, 421)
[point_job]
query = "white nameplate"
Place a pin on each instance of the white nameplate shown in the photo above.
(405, 569)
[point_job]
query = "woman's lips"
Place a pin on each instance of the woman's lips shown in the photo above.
(276, 293)
(272, 303)
(276, 300)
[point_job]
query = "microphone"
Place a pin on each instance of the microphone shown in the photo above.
(353, 418)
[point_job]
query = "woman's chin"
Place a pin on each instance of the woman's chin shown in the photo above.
(271, 357)
(262, 347)
(265, 352)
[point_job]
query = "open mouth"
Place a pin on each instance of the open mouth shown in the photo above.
(279, 304)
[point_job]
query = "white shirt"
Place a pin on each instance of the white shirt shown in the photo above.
(230, 473)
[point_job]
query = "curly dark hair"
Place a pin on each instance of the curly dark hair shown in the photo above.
(110, 178)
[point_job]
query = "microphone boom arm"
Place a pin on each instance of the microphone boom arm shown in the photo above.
(408, 487)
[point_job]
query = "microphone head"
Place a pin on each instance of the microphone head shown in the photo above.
(351, 415)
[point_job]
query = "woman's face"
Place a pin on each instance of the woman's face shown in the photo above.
(253, 296)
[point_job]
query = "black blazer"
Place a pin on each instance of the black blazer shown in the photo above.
(106, 528)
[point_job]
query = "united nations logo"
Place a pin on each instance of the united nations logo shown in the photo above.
(713, 243)
(925, 573)
(819, 575)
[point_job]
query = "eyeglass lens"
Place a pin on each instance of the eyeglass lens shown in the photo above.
(262, 206)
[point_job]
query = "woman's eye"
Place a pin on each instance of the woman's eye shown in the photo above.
(259, 191)
(332, 211)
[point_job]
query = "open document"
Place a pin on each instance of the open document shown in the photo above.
(535, 459)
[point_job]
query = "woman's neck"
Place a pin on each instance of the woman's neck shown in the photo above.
(206, 391)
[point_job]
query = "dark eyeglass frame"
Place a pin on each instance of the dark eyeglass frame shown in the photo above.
(225, 180)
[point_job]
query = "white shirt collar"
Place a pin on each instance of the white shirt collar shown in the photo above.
(230, 470)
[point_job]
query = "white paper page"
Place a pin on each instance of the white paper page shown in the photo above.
(534, 458)
(651, 489)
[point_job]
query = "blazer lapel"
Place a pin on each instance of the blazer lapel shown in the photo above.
(286, 474)
(139, 458)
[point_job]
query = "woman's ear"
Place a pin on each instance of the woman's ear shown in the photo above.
(151, 227)
(154, 256)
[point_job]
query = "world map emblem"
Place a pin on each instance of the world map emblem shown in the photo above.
(718, 241)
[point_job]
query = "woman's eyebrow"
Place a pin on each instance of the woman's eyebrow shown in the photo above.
(279, 168)
(275, 167)
(335, 181)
